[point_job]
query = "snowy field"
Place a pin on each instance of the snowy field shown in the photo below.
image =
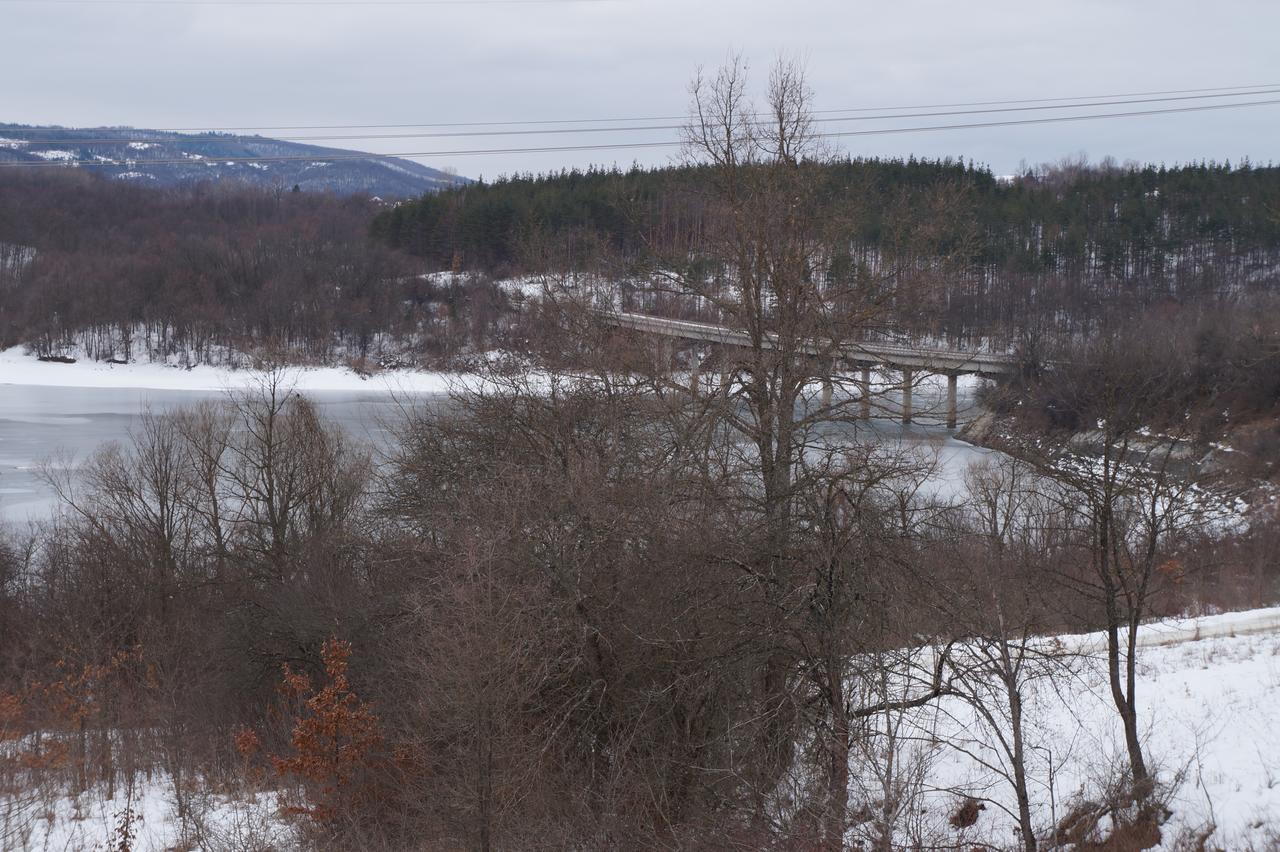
(1208, 701)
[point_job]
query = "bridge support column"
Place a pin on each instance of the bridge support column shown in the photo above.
(951, 400)
(828, 391)
(724, 361)
(695, 372)
(865, 387)
(906, 395)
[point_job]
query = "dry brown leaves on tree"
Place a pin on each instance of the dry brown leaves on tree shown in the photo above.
(337, 750)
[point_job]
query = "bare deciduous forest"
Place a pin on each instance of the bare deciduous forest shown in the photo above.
(219, 274)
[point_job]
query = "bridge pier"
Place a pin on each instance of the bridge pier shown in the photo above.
(951, 400)
(906, 396)
(865, 413)
(695, 372)
(828, 391)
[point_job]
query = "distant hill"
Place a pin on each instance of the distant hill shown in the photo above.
(167, 159)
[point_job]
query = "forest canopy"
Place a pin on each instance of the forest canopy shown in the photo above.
(1069, 237)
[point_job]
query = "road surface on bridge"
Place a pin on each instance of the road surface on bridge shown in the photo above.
(861, 353)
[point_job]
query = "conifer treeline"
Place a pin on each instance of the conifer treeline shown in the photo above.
(1068, 239)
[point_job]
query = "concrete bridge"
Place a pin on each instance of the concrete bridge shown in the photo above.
(862, 354)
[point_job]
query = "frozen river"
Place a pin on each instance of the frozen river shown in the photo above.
(40, 424)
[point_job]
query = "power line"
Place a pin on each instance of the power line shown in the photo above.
(1051, 120)
(177, 3)
(637, 145)
(631, 128)
(1227, 91)
(1223, 89)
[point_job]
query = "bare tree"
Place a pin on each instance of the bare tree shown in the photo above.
(1115, 461)
(1002, 610)
(289, 474)
(763, 248)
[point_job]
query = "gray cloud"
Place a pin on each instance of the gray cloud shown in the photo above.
(272, 65)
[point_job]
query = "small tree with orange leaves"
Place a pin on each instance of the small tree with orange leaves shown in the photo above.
(20, 762)
(337, 751)
(21, 751)
(37, 721)
(44, 733)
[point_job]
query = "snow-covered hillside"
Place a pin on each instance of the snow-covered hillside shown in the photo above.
(165, 158)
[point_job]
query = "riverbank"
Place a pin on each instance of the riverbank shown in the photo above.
(19, 368)
(1226, 483)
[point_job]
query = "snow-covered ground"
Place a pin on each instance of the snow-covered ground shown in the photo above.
(1208, 692)
(148, 814)
(55, 154)
(19, 368)
(1208, 699)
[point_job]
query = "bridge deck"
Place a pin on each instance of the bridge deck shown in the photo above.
(859, 353)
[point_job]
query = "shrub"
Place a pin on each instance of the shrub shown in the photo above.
(337, 750)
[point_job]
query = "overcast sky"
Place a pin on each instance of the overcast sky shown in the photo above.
(266, 65)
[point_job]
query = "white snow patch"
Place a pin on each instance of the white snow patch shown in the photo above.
(141, 146)
(55, 154)
(93, 821)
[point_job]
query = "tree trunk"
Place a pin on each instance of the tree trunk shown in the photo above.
(838, 771)
(1020, 769)
(1126, 707)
